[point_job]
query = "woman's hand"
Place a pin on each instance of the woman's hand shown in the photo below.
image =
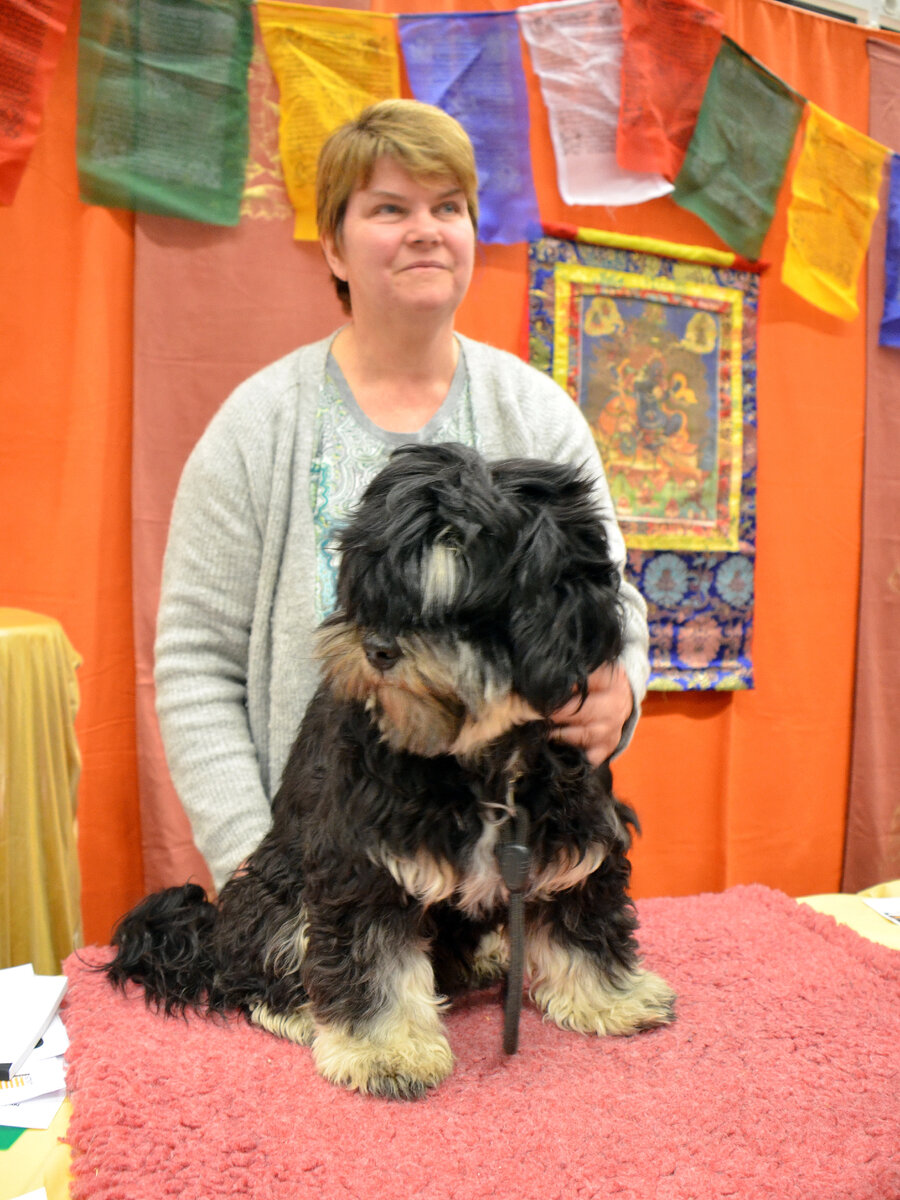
(596, 725)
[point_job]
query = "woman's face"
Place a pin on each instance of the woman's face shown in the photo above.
(405, 246)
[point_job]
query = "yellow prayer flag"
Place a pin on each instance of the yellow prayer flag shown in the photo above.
(834, 201)
(329, 63)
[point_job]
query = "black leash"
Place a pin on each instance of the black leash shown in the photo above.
(514, 858)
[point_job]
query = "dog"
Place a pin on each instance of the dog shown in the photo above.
(474, 600)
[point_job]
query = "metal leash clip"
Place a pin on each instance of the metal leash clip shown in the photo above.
(514, 859)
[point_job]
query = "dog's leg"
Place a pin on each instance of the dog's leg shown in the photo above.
(377, 1017)
(296, 1027)
(584, 969)
(491, 959)
(260, 947)
(466, 953)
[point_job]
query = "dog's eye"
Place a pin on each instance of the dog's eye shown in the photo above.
(382, 652)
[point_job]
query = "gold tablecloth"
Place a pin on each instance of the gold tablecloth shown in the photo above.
(40, 902)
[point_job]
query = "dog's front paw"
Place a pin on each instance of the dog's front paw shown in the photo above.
(575, 994)
(399, 1067)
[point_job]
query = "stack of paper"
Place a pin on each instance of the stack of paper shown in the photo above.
(33, 1041)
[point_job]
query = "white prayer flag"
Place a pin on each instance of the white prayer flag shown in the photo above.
(576, 50)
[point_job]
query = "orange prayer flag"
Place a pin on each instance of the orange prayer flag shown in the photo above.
(834, 202)
(669, 50)
(31, 37)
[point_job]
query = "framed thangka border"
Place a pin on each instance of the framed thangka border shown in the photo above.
(659, 352)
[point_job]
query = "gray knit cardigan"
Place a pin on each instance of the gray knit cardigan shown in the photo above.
(234, 669)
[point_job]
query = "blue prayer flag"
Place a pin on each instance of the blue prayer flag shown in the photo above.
(470, 65)
(889, 333)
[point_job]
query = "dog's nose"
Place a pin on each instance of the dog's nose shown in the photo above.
(382, 652)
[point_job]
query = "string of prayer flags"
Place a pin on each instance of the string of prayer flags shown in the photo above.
(889, 331)
(31, 36)
(330, 63)
(576, 49)
(470, 65)
(668, 52)
(162, 106)
(834, 202)
(737, 158)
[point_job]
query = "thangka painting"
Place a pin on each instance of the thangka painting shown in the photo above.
(659, 353)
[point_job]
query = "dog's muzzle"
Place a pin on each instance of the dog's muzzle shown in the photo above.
(381, 652)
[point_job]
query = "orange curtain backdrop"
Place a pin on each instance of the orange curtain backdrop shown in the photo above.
(65, 454)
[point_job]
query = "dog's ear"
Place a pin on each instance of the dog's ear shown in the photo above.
(559, 636)
(566, 618)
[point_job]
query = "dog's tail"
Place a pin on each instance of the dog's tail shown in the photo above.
(165, 945)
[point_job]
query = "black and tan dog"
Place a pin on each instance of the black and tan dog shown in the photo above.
(474, 599)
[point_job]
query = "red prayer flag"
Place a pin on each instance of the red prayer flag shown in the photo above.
(31, 35)
(669, 50)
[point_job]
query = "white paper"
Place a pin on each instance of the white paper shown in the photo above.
(53, 1044)
(28, 1004)
(45, 1076)
(887, 906)
(576, 48)
(32, 1114)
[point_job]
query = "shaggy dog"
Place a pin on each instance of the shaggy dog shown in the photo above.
(474, 599)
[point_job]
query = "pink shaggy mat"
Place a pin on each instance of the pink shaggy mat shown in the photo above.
(779, 1079)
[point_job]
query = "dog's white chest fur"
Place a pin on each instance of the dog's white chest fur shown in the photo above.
(477, 887)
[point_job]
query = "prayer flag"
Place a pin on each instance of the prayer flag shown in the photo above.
(834, 201)
(576, 49)
(162, 106)
(737, 158)
(669, 50)
(889, 333)
(31, 34)
(470, 65)
(330, 64)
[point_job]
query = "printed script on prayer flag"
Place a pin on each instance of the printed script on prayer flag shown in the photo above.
(834, 201)
(470, 65)
(31, 35)
(330, 64)
(669, 50)
(889, 330)
(737, 158)
(162, 106)
(576, 49)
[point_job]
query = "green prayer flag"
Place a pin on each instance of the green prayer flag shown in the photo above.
(162, 106)
(736, 161)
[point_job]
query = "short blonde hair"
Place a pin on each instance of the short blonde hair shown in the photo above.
(423, 139)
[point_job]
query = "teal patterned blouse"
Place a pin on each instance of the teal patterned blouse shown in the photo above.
(351, 449)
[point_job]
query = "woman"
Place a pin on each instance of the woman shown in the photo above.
(249, 570)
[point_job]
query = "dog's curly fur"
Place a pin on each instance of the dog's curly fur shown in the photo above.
(474, 600)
